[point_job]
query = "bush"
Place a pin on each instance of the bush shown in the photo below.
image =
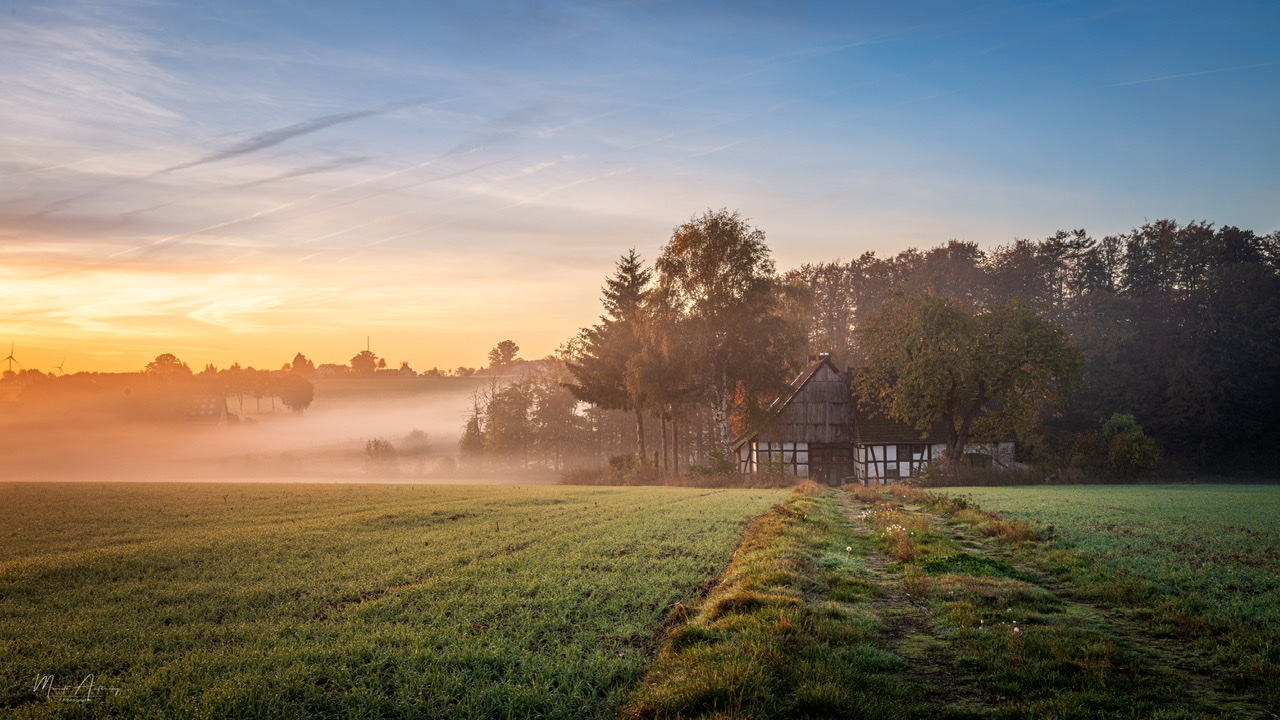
(380, 457)
(582, 476)
(1132, 453)
(629, 470)
(718, 465)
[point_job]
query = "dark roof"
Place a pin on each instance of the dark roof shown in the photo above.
(872, 427)
(793, 389)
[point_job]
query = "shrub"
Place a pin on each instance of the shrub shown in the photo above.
(582, 476)
(1132, 453)
(380, 457)
(717, 465)
(629, 470)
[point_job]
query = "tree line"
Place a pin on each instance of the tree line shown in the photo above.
(1168, 327)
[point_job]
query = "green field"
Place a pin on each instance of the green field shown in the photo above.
(1202, 562)
(279, 601)
(1221, 542)
(899, 603)
(239, 600)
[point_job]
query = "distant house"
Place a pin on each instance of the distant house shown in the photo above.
(815, 430)
(332, 370)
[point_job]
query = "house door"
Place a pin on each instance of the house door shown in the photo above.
(829, 464)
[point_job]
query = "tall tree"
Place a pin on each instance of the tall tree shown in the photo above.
(598, 357)
(984, 373)
(717, 273)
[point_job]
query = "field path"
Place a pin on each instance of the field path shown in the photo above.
(985, 644)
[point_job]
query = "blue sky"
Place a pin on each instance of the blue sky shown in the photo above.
(241, 181)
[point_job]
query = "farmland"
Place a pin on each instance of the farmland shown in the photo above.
(902, 603)
(348, 601)
(433, 601)
(1201, 562)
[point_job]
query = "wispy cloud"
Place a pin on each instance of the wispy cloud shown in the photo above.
(271, 138)
(1193, 74)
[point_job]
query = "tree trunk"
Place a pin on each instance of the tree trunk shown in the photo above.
(663, 426)
(675, 445)
(720, 415)
(640, 431)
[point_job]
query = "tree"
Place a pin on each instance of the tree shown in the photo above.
(471, 446)
(508, 429)
(717, 274)
(295, 391)
(598, 357)
(982, 374)
(503, 354)
(167, 365)
(302, 366)
(364, 363)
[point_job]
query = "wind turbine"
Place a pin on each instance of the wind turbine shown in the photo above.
(11, 359)
(58, 367)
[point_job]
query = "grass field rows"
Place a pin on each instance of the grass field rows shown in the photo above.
(409, 601)
(498, 601)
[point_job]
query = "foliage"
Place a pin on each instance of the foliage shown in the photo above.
(503, 354)
(629, 470)
(344, 601)
(471, 445)
(1120, 424)
(1177, 324)
(716, 275)
(380, 457)
(1132, 453)
(302, 366)
(598, 357)
(981, 373)
(167, 365)
(294, 390)
(364, 363)
(527, 422)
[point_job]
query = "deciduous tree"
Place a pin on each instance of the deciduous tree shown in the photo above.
(717, 274)
(981, 373)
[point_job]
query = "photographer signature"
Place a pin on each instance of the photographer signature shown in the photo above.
(87, 691)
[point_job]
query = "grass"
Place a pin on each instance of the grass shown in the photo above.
(789, 632)
(1076, 638)
(300, 601)
(1197, 563)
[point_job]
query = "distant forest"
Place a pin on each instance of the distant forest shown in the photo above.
(1176, 325)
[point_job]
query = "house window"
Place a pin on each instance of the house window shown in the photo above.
(787, 457)
(892, 462)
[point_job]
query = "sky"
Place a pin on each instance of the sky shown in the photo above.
(241, 181)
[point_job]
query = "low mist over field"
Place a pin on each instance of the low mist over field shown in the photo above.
(99, 435)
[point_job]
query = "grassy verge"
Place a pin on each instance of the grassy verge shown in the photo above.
(789, 632)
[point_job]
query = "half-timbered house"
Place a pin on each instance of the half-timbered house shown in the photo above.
(816, 430)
